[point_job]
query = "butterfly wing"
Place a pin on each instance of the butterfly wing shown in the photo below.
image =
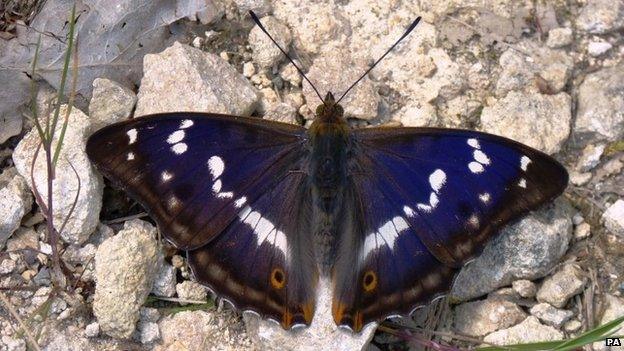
(228, 190)
(193, 171)
(263, 261)
(424, 202)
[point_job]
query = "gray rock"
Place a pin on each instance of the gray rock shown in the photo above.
(559, 37)
(314, 25)
(322, 334)
(13, 344)
(16, 202)
(540, 121)
(524, 288)
(597, 48)
(265, 53)
(110, 103)
(148, 332)
(417, 115)
(572, 326)
(149, 314)
(202, 330)
(260, 7)
(551, 315)
(335, 71)
(561, 286)
(10, 125)
(582, 231)
(479, 318)
(165, 282)
(600, 110)
(86, 215)
(92, 330)
(190, 290)
(528, 249)
(249, 69)
(590, 157)
(519, 71)
(282, 112)
(125, 269)
(601, 16)
(7, 266)
(530, 330)
(614, 218)
(183, 78)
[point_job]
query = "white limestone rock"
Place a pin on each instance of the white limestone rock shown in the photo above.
(558, 288)
(111, 102)
(530, 330)
(183, 78)
(539, 121)
(479, 318)
(16, 202)
(125, 269)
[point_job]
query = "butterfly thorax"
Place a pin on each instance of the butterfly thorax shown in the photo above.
(329, 138)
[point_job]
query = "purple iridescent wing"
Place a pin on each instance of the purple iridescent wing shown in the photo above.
(425, 202)
(226, 189)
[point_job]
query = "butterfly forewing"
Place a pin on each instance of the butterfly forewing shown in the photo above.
(428, 201)
(193, 171)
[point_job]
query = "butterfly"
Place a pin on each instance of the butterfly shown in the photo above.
(265, 209)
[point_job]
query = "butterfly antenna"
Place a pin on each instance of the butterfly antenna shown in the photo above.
(257, 20)
(407, 32)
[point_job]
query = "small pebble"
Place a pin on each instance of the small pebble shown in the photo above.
(248, 69)
(582, 231)
(597, 48)
(92, 330)
(224, 55)
(572, 326)
(198, 41)
(177, 261)
(524, 288)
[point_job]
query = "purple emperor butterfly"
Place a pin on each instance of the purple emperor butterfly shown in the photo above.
(264, 209)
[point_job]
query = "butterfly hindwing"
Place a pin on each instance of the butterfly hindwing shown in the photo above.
(426, 201)
(263, 261)
(190, 170)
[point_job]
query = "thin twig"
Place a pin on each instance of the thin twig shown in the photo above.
(19, 320)
(126, 218)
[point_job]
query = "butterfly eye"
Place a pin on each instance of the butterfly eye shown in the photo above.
(278, 278)
(369, 281)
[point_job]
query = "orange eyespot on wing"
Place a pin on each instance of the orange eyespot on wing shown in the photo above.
(369, 281)
(278, 278)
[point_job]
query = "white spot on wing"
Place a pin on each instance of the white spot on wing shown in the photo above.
(481, 157)
(132, 136)
(166, 176)
(485, 197)
(187, 123)
(240, 202)
(522, 183)
(264, 230)
(216, 166)
(179, 148)
(524, 162)
(176, 137)
(475, 167)
(386, 235)
(437, 179)
(130, 156)
(226, 195)
(216, 187)
(408, 211)
(474, 221)
(474, 143)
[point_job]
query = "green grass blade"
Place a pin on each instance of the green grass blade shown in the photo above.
(61, 92)
(33, 92)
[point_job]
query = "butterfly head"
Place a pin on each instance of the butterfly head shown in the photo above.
(329, 111)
